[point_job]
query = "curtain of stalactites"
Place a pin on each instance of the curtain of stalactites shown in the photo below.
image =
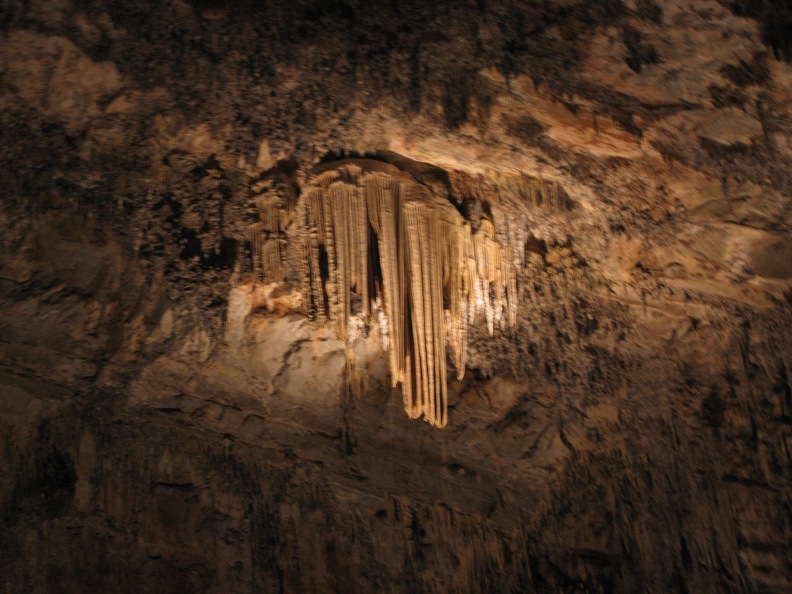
(435, 274)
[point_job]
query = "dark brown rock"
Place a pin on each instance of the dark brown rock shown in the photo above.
(169, 423)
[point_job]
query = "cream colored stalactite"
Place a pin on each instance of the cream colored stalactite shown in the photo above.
(327, 227)
(348, 219)
(336, 240)
(359, 248)
(265, 237)
(337, 222)
(266, 253)
(457, 277)
(424, 239)
(384, 198)
(492, 273)
(416, 405)
(357, 245)
(313, 221)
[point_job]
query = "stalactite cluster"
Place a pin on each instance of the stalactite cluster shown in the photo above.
(538, 193)
(366, 240)
(370, 232)
(267, 236)
(533, 193)
(337, 244)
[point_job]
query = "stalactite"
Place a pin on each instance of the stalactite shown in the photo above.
(347, 241)
(458, 276)
(537, 193)
(515, 234)
(425, 231)
(384, 199)
(266, 237)
(311, 217)
(494, 274)
(266, 251)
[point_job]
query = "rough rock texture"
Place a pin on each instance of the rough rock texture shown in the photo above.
(172, 421)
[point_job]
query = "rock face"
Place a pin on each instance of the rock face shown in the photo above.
(205, 313)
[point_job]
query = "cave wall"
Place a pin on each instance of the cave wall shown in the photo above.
(171, 422)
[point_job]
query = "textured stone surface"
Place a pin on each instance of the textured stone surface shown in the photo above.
(167, 424)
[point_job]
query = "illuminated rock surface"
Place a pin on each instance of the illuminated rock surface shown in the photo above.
(246, 247)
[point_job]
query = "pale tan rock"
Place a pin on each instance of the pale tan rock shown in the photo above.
(264, 159)
(730, 127)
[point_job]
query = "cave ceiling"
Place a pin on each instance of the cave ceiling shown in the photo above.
(345, 296)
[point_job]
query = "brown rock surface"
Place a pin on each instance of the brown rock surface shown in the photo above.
(170, 422)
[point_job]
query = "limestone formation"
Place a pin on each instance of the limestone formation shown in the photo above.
(266, 236)
(431, 272)
(239, 239)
